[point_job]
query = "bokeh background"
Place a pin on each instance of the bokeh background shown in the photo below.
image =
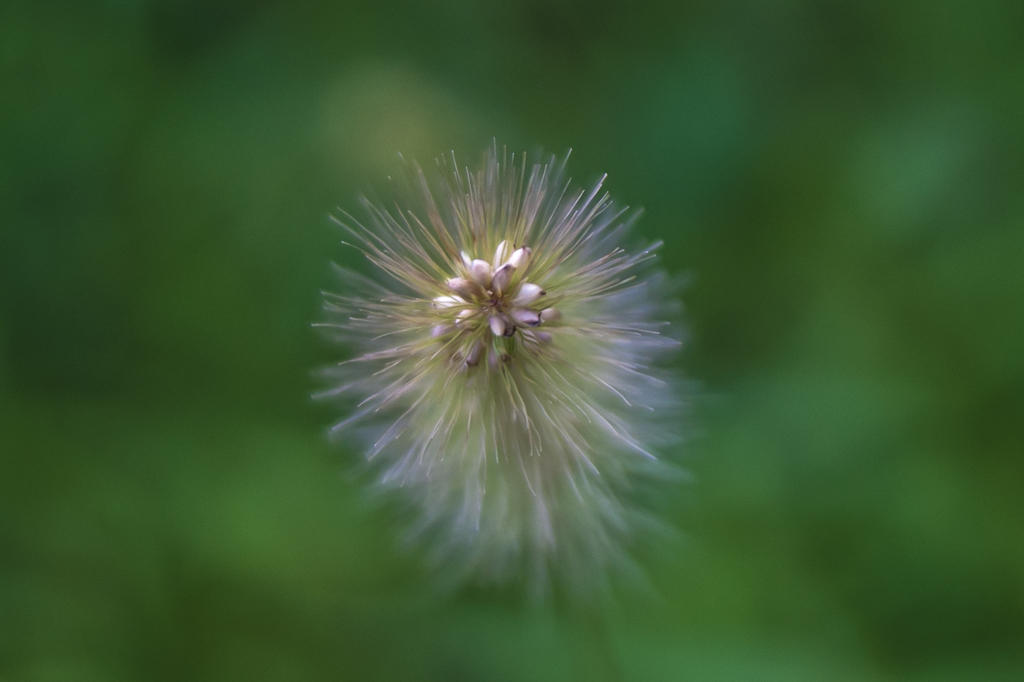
(841, 182)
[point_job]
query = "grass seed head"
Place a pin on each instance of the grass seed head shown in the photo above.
(508, 380)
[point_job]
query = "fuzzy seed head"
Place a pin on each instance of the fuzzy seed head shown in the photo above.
(508, 381)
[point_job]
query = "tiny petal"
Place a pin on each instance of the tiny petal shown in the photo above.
(528, 293)
(463, 316)
(543, 337)
(465, 288)
(521, 257)
(501, 253)
(480, 271)
(497, 325)
(503, 277)
(448, 301)
(466, 260)
(550, 315)
(440, 330)
(526, 317)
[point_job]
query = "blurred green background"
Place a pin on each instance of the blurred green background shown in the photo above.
(842, 180)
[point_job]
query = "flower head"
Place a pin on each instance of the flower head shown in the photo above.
(507, 373)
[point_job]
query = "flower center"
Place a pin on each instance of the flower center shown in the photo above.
(491, 301)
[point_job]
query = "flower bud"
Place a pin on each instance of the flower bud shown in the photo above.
(497, 325)
(502, 277)
(526, 317)
(501, 253)
(465, 288)
(474, 355)
(447, 301)
(550, 315)
(480, 271)
(521, 257)
(528, 293)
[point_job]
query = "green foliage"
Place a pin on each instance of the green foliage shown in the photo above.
(841, 180)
